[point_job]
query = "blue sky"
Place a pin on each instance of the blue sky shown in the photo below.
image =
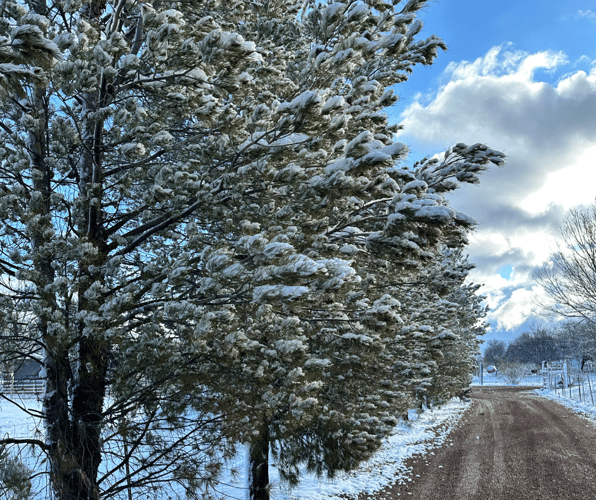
(519, 76)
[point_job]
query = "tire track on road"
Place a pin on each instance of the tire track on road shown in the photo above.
(511, 444)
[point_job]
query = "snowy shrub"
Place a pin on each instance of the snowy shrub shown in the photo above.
(513, 372)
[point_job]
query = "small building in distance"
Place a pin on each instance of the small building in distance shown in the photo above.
(22, 376)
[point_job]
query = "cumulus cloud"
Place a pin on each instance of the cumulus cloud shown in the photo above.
(546, 128)
(520, 306)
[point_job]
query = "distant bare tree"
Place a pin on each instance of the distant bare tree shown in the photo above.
(537, 345)
(569, 276)
(578, 339)
(495, 352)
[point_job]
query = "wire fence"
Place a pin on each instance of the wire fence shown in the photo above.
(564, 379)
(577, 385)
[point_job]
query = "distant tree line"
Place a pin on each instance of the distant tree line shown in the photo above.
(572, 340)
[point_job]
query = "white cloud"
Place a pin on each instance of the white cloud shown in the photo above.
(547, 131)
(517, 309)
(587, 14)
(568, 185)
(508, 64)
(584, 61)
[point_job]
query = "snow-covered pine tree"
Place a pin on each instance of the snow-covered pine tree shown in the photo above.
(457, 366)
(201, 205)
(440, 299)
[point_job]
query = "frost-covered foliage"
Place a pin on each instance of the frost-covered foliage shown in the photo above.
(452, 308)
(513, 372)
(204, 211)
(15, 483)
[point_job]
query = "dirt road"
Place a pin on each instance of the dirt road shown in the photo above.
(510, 444)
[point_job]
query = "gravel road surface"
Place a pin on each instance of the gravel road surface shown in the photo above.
(510, 444)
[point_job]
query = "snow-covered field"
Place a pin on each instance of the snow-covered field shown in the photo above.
(16, 423)
(491, 379)
(419, 435)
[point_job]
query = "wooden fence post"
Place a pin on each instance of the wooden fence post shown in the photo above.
(579, 390)
(590, 386)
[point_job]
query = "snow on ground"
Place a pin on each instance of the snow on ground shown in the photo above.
(578, 398)
(492, 379)
(584, 409)
(419, 435)
(16, 423)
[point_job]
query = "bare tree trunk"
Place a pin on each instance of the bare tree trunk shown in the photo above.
(258, 467)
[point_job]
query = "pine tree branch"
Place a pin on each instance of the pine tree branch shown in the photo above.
(154, 227)
(34, 442)
(124, 168)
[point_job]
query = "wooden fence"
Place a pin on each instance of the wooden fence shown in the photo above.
(33, 386)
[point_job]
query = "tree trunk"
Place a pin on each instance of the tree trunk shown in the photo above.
(258, 466)
(87, 406)
(67, 476)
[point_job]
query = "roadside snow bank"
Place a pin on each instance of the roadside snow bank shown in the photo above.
(419, 435)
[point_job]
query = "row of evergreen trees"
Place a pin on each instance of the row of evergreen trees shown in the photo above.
(204, 212)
